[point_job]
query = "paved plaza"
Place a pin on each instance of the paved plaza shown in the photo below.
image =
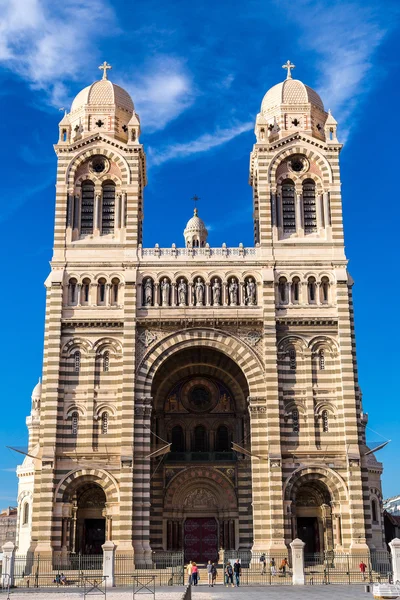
(202, 592)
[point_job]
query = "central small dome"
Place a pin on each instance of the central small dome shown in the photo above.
(292, 92)
(102, 93)
(195, 233)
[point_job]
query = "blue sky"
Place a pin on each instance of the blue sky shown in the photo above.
(197, 73)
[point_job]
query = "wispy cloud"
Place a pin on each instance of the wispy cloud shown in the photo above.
(346, 36)
(162, 93)
(203, 143)
(19, 200)
(48, 43)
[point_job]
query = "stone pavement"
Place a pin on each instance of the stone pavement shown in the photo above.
(203, 592)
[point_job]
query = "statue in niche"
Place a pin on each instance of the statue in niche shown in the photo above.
(148, 292)
(182, 290)
(199, 291)
(251, 292)
(225, 403)
(216, 292)
(233, 292)
(172, 403)
(165, 292)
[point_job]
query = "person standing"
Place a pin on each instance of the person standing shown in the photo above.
(363, 566)
(209, 573)
(229, 574)
(283, 566)
(272, 567)
(238, 571)
(189, 569)
(263, 563)
(213, 574)
(195, 573)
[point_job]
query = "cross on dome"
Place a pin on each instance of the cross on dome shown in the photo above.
(195, 199)
(289, 66)
(104, 67)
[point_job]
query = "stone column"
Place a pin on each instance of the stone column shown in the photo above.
(93, 294)
(173, 294)
(208, 293)
(327, 216)
(395, 551)
(225, 294)
(109, 562)
(7, 575)
(123, 210)
(318, 204)
(242, 294)
(117, 221)
(297, 547)
(299, 216)
(97, 213)
(156, 301)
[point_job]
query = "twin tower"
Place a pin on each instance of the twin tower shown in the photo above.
(196, 397)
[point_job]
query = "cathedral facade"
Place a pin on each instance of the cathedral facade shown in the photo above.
(194, 397)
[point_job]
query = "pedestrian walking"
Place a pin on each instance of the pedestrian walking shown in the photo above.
(237, 568)
(214, 574)
(189, 569)
(363, 566)
(209, 573)
(263, 563)
(283, 566)
(229, 574)
(195, 573)
(272, 567)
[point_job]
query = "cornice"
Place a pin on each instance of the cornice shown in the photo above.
(91, 324)
(306, 321)
(96, 137)
(297, 137)
(192, 322)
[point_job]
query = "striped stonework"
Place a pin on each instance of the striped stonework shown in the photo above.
(147, 384)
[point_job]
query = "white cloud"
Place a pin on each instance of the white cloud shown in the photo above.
(162, 93)
(46, 42)
(203, 143)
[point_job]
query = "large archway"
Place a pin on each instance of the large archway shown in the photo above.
(200, 493)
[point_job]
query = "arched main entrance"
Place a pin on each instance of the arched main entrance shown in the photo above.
(200, 492)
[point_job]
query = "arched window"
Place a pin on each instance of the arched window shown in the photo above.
(74, 423)
(72, 288)
(288, 206)
(77, 361)
(296, 290)
(222, 439)
(101, 291)
(108, 208)
(295, 420)
(325, 421)
(114, 291)
(309, 206)
(200, 439)
(282, 287)
(311, 285)
(87, 208)
(106, 361)
(177, 439)
(104, 423)
(374, 511)
(325, 290)
(85, 290)
(25, 514)
(321, 360)
(292, 359)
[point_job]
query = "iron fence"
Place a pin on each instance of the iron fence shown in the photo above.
(167, 568)
(339, 568)
(38, 571)
(261, 568)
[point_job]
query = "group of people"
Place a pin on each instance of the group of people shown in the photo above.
(231, 572)
(60, 579)
(272, 566)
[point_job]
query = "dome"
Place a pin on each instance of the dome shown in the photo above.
(103, 92)
(290, 91)
(195, 231)
(37, 390)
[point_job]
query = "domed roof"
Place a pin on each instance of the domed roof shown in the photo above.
(195, 224)
(103, 92)
(290, 91)
(37, 390)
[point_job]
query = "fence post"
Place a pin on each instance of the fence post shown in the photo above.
(109, 562)
(297, 547)
(395, 550)
(7, 576)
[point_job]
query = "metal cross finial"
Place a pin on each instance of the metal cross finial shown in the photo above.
(289, 66)
(104, 67)
(195, 199)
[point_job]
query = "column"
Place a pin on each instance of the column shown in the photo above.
(77, 215)
(395, 551)
(299, 216)
(190, 294)
(72, 536)
(288, 292)
(208, 293)
(225, 294)
(318, 207)
(242, 295)
(297, 547)
(7, 575)
(96, 216)
(93, 294)
(107, 294)
(78, 294)
(123, 210)
(173, 294)
(273, 210)
(318, 293)
(156, 295)
(327, 216)
(117, 221)
(109, 563)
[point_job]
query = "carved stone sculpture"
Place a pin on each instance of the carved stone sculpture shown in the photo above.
(216, 293)
(182, 290)
(199, 291)
(233, 292)
(165, 292)
(148, 292)
(251, 292)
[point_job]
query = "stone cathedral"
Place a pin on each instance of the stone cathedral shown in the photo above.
(196, 398)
